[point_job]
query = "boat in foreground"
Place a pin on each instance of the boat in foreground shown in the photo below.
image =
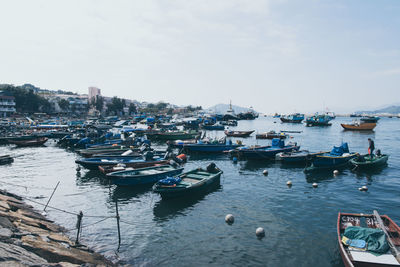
(144, 175)
(367, 240)
(366, 162)
(356, 126)
(192, 182)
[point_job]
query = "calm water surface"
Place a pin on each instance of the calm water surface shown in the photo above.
(300, 222)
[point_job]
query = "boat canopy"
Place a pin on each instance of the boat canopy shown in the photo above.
(339, 150)
(277, 142)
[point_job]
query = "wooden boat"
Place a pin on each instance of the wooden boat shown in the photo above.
(213, 127)
(385, 229)
(264, 152)
(32, 142)
(271, 135)
(94, 163)
(366, 162)
(296, 157)
(338, 158)
(189, 183)
(210, 147)
(238, 133)
(359, 126)
(293, 118)
(144, 175)
(6, 159)
(130, 166)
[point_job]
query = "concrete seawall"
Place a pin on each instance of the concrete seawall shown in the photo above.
(27, 238)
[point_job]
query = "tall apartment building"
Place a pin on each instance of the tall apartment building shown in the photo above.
(7, 104)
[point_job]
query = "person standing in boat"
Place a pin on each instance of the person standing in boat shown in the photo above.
(371, 147)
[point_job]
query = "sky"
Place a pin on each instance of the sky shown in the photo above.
(276, 56)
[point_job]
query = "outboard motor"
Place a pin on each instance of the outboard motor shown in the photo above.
(212, 167)
(148, 155)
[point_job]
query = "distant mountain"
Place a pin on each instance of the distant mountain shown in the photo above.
(390, 110)
(223, 108)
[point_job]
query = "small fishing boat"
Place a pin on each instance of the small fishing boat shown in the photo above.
(32, 142)
(264, 152)
(144, 175)
(366, 162)
(296, 157)
(94, 163)
(319, 120)
(367, 240)
(174, 135)
(357, 126)
(210, 146)
(238, 133)
(130, 166)
(6, 159)
(293, 118)
(370, 119)
(337, 158)
(189, 183)
(271, 135)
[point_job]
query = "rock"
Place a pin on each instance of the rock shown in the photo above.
(54, 252)
(12, 264)
(10, 252)
(5, 222)
(5, 232)
(4, 206)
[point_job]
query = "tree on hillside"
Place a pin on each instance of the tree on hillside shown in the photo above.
(132, 108)
(116, 105)
(63, 104)
(97, 102)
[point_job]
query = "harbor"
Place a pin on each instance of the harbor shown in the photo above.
(254, 191)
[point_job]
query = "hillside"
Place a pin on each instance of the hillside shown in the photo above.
(391, 110)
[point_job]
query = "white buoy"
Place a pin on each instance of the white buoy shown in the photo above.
(315, 185)
(289, 183)
(335, 172)
(265, 172)
(260, 233)
(364, 188)
(360, 189)
(229, 219)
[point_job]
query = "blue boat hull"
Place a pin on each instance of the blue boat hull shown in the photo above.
(264, 153)
(145, 179)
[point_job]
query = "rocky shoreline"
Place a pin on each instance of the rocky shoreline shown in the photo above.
(27, 238)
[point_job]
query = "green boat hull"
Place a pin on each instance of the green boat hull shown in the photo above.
(368, 163)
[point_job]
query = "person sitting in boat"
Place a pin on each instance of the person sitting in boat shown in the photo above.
(378, 153)
(371, 147)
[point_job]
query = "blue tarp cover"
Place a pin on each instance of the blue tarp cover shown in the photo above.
(374, 237)
(170, 181)
(339, 150)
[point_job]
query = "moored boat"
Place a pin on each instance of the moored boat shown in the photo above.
(319, 120)
(337, 158)
(367, 240)
(130, 166)
(6, 159)
(271, 135)
(189, 183)
(296, 157)
(293, 118)
(143, 175)
(368, 162)
(356, 126)
(173, 135)
(264, 152)
(238, 133)
(32, 142)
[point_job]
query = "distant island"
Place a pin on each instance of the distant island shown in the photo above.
(393, 109)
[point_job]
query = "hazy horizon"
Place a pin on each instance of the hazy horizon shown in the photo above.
(276, 56)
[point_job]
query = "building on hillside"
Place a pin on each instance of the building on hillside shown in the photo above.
(93, 92)
(7, 104)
